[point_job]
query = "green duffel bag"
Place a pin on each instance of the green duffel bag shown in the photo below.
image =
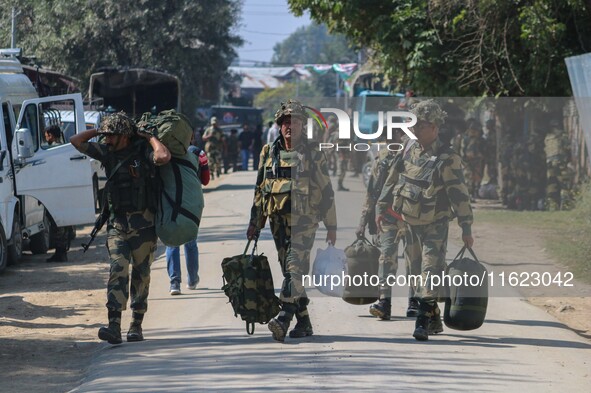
(465, 308)
(362, 258)
(180, 201)
(248, 284)
(171, 128)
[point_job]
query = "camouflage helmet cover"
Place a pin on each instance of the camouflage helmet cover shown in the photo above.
(118, 124)
(429, 111)
(290, 108)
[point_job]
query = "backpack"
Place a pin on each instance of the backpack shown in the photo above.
(465, 308)
(248, 284)
(180, 200)
(362, 257)
(179, 194)
(171, 128)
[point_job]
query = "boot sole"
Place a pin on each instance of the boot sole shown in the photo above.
(421, 334)
(277, 330)
(107, 336)
(134, 338)
(300, 335)
(379, 314)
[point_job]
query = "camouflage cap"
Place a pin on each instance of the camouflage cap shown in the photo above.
(290, 108)
(118, 124)
(429, 110)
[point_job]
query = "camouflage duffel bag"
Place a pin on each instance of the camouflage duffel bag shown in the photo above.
(248, 283)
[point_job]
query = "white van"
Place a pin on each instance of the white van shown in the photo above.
(92, 119)
(37, 183)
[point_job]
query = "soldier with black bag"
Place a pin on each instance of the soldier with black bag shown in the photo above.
(427, 189)
(294, 192)
(129, 158)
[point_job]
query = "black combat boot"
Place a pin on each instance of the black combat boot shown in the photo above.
(413, 308)
(341, 187)
(61, 255)
(421, 332)
(382, 309)
(135, 328)
(426, 311)
(303, 327)
(280, 324)
(112, 333)
(435, 324)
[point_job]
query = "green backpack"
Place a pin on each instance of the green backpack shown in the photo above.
(248, 283)
(171, 128)
(180, 201)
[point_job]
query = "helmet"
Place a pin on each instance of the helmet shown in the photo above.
(290, 108)
(118, 124)
(430, 111)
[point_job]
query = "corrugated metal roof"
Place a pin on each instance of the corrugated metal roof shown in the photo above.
(266, 77)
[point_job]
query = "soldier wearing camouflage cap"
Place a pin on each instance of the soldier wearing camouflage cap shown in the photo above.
(427, 189)
(294, 192)
(129, 159)
(214, 146)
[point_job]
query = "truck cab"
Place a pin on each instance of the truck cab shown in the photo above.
(38, 183)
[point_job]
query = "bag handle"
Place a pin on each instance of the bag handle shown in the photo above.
(463, 250)
(254, 248)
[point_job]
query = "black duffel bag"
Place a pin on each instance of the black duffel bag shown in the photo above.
(465, 308)
(362, 259)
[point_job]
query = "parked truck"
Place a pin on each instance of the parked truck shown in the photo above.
(38, 183)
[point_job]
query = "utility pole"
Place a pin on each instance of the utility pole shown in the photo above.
(13, 29)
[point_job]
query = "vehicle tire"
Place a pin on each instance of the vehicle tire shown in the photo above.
(39, 242)
(15, 248)
(3, 250)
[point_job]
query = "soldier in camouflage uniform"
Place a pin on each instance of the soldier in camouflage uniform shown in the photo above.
(294, 192)
(214, 147)
(387, 241)
(129, 162)
(472, 153)
(557, 149)
(490, 156)
(427, 189)
(536, 170)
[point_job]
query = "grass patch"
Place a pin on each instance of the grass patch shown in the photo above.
(566, 234)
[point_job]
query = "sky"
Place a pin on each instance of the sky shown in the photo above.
(265, 23)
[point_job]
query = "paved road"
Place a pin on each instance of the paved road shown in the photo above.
(194, 343)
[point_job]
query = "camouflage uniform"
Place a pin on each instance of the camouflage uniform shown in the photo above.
(387, 241)
(490, 155)
(214, 147)
(472, 153)
(131, 234)
(559, 178)
(294, 191)
(536, 170)
(427, 188)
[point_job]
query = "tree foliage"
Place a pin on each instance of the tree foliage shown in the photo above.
(270, 99)
(192, 39)
(471, 47)
(313, 44)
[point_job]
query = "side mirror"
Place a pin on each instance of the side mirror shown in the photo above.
(24, 144)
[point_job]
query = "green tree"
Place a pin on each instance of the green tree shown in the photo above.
(192, 39)
(313, 44)
(270, 99)
(472, 47)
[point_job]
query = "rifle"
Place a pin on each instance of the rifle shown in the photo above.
(98, 224)
(104, 216)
